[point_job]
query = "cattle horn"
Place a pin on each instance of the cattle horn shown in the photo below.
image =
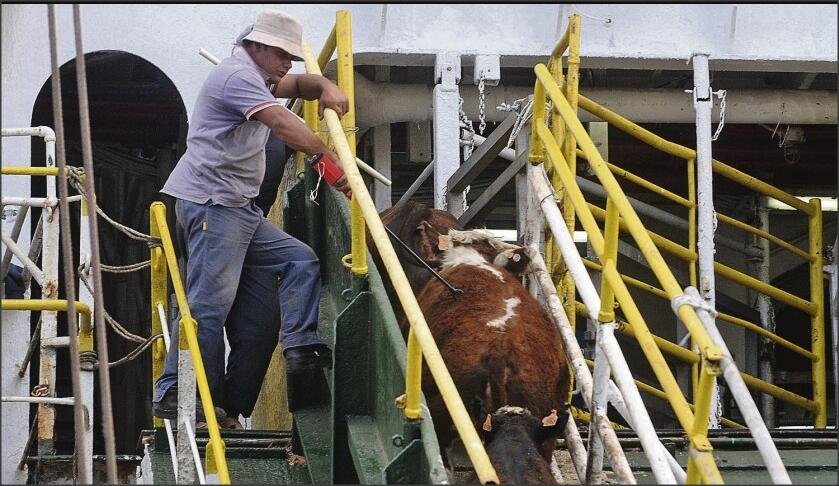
(469, 236)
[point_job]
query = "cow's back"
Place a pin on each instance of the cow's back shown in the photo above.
(494, 333)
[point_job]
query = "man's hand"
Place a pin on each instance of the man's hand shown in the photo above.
(332, 97)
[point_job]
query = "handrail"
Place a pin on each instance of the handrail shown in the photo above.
(189, 338)
(701, 461)
(57, 305)
(683, 152)
(419, 328)
(28, 171)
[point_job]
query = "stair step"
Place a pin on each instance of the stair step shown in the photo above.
(366, 448)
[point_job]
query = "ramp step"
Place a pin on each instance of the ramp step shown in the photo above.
(366, 448)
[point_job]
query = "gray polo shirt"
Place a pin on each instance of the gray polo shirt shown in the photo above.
(225, 149)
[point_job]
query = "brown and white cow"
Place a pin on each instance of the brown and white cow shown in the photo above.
(497, 341)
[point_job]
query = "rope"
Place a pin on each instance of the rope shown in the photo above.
(524, 114)
(124, 268)
(695, 302)
(117, 327)
(75, 175)
(313, 194)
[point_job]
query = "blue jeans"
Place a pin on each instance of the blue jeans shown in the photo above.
(240, 273)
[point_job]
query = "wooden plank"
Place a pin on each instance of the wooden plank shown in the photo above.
(486, 201)
(483, 155)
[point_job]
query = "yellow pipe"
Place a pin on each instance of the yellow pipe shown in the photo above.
(569, 144)
(682, 152)
(643, 335)
(640, 181)
(51, 305)
(721, 316)
(651, 390)
(329, 45)
(765, 288)
(584, 416)
(29, 171)
(636, 228)
(343, 34)
(188, 328)
(665, 244)
(702, 404)
(765, 235)
(688, 356)
(434, 360)
(817, 335)
(610, 234)
(537, 148)
(413, 378)
(159, 295)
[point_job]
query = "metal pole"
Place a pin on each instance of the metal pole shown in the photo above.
(429, 169)
(703, 104)
(446, 131)
(743, 398)
(7, 256)
(99, 312)
(767, 317)
(81, 424)
(834, 320)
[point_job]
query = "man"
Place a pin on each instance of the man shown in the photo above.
(234, 253)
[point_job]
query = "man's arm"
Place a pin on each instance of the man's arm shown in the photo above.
(313, 87)
(288, 128)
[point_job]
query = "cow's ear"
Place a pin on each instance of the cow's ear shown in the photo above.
(444, 242)
(487, 424)
(427, 243)
(552, 426)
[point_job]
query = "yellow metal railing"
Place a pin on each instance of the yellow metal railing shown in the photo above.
(163, 259)
(57, 305)
(813, 306)
(420, 341)
(545, 148)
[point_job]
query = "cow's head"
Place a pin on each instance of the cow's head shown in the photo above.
(515, 440)
(511, 257)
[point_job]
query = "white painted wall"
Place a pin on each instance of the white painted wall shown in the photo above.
(746, 37)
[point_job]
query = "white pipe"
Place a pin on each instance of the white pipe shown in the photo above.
(743, 398)
(706, 222)
(44, 132)
(170, 438)
(599, 403)
(44, 400)
(639, 418)
(208, 56)
(385, 103)
(38, 202)
(574, 444)
(36, 272)
(767, 317)
(195, 456)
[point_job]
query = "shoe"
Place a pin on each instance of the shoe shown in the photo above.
(167, 407)
(199, 414)
(231, 423)
(305, 359)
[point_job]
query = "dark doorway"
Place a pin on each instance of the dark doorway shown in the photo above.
(138, 131)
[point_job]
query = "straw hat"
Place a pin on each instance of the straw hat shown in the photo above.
(278, 29)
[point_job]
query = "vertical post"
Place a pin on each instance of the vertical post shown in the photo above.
(158, 297)
(381, 158)
(346, 81)
(445, 105)
(413, 378)
(817, 336)
(186, 405)
(702, 104)
(767, 316)
(49, 319)
(86, 377)
(569, 147)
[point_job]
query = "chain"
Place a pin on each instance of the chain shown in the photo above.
(467, 125)
(721, 94)
(481, 105)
